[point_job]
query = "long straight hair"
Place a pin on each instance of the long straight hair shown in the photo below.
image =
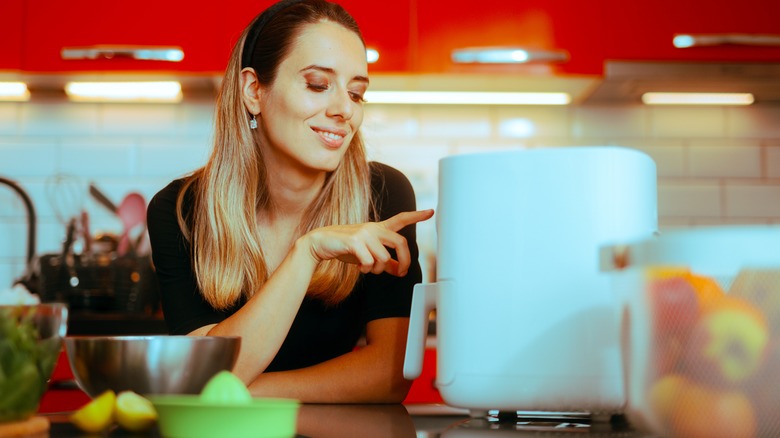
(232, 186)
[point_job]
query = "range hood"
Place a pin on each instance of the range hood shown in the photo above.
(627, 81)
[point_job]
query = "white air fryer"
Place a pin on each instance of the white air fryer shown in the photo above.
(525, 319)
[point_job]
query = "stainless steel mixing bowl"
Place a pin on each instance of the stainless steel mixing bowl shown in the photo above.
(149, 364)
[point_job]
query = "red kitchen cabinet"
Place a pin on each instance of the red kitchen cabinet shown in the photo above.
(388, 31)
(574, 27)
(11, 12)
(206, 34)
(645, 30)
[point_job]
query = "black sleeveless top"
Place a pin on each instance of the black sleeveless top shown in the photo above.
(319, 332)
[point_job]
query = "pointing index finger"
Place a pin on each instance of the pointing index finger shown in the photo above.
(405, 218)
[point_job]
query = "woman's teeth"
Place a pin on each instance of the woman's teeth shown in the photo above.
(331, 135)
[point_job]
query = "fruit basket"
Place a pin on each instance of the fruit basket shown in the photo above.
(700, 332)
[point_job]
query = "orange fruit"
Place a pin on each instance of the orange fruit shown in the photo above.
(707, 290)
(700, 411)
(662, 396)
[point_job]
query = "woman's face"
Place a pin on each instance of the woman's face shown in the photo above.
(313, 109)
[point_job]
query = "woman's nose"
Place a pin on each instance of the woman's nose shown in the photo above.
(340, 105)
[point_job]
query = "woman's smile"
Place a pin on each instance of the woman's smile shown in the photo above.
(333, 138)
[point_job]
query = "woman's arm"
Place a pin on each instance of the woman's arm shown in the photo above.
(371, 374)
(264, 321)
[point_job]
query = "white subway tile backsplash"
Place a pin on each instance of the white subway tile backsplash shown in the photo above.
(9, 117)
(755, 121)
(772, 158)
(689, 199)
(59, 119)
(752, 200)
(33, 157)
(11, 269)
(13, 235)
(394, 121)
(455, 122)
(99, 157)
(196, 118)
(709, 122)
(709, 159)
(139, 119)
(716, 166)
(533, 122)
(610, 121)
(172, 158)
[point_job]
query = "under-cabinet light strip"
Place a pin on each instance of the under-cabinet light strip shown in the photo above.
(14, 91)
(659, 98)
(167, 91)
(467, 98)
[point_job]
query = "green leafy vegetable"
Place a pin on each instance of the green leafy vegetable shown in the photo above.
(26, 363)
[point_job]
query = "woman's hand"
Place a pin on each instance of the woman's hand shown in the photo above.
(366, 244)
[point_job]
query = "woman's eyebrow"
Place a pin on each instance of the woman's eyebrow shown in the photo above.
(332, 72)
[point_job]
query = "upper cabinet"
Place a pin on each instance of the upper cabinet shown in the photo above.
(387, 30)
(572, 27)
(204, 34)
(11, 35)
(646, 30)
(411, 36)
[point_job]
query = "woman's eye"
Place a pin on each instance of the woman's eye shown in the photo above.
(317, 87)
(356, 97)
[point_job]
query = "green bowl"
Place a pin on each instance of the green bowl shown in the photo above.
(187, 416)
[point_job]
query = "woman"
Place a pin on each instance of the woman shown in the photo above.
(288, 237)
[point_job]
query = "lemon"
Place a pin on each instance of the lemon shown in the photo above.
(133, 412)
(97, 415)
(225, 388)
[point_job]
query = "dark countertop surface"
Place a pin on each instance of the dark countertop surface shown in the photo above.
(410, 421)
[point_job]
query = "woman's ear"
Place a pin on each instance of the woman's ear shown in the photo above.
(250, 90)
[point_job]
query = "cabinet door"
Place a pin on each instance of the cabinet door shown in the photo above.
(206, 34)
(11, 34)
(386, 29)
(572, 26)
(645, 30)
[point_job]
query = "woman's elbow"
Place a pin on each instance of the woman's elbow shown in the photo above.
(396, 391)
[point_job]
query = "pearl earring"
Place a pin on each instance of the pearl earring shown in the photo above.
(253, 122)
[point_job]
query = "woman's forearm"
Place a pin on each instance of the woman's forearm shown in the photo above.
(264, 321)
(372, 374)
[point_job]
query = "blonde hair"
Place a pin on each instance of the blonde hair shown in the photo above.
(227, 192)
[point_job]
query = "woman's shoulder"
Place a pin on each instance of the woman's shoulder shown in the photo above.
(391, 189)
(168, 194)
(386, 176)
(164, 201)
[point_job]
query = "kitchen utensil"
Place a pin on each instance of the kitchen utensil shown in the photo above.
(31, 343)
(525, 320)
(66, 194)
(68, 262)
(101, 198)
(86, 234)
(132, 212)
(182, 416)
(149, 364)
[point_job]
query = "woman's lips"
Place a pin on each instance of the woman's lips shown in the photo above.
(331, 137)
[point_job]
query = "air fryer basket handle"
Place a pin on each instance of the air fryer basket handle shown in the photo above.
(423, 302)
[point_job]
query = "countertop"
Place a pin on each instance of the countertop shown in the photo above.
(410, 421)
